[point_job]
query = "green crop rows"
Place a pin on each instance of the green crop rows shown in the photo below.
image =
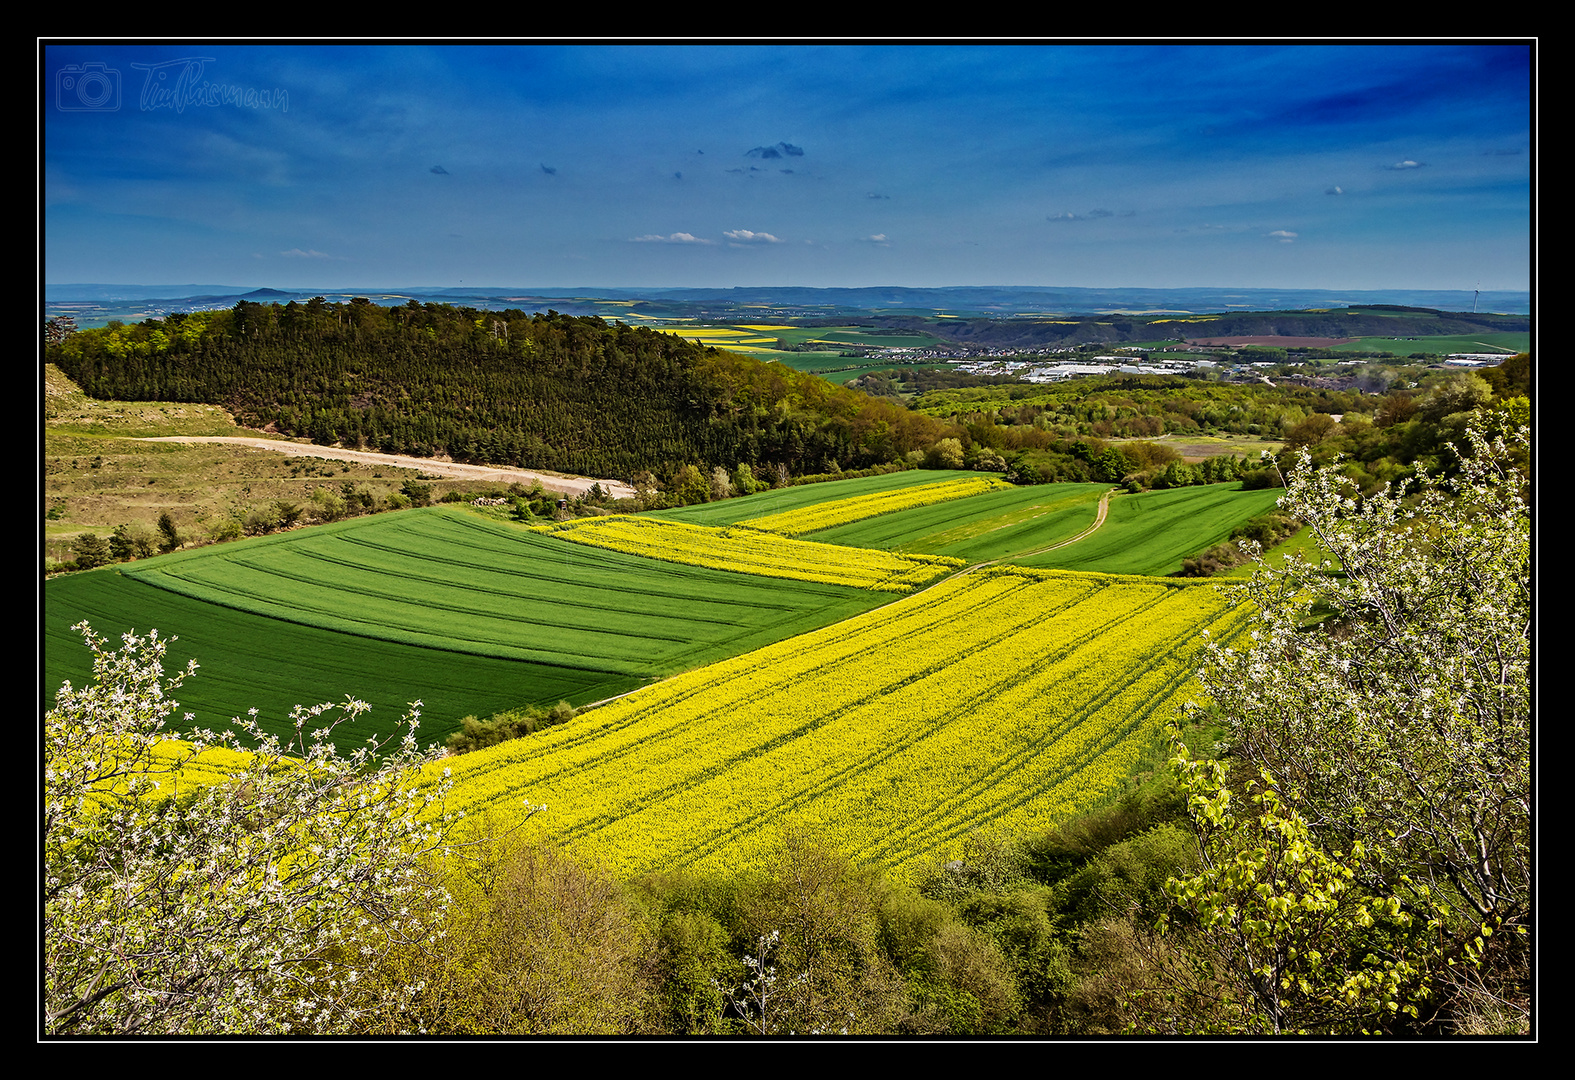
(597, 622)
(473, 616)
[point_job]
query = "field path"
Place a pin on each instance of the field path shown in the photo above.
(563, 485)
(1099, 519)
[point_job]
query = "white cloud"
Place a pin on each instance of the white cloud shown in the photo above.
(1092, 215)
(297, 253)
(1284, 236)
(746, 236)
(1336, 190)
(672, 238)
(1406, 164)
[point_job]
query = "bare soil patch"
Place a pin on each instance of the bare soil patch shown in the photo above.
(1272, 341)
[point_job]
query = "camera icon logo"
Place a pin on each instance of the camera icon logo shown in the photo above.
(87, 88)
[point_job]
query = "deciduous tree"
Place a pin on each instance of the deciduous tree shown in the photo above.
(1393, 741)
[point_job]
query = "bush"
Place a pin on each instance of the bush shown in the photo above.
(813, 918)
(535, 944)
(192, 888)
(131, 542)
(501, 727)
(90, 550)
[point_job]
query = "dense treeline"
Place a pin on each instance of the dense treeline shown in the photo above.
(1058, 431)
(542, 391)
(1146, 406)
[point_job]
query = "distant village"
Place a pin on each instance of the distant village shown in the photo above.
(1038, 366)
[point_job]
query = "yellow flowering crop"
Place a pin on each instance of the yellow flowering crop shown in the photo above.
(750, 551)
(828, 515)
(1004, 697)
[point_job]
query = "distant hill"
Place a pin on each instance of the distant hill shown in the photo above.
(574, 395)
(94, 305)
(1351, 322)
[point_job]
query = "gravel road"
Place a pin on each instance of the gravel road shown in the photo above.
(563, 485)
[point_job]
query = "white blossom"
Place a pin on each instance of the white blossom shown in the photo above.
(253, 900)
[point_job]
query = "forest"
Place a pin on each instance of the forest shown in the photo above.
(542, 391)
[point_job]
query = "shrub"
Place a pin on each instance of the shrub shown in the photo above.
(90, 550)
(501, 727)
(535, 944)
(192, 888)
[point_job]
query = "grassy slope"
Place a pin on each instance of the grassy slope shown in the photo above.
(98, 474)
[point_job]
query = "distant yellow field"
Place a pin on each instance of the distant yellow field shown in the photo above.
(702, 331)
(763, 329)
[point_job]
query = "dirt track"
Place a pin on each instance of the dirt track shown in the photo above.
(563, 485)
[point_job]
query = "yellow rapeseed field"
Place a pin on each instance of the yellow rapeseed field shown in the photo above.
(750, 551)
(1002, 698)
(828, 515)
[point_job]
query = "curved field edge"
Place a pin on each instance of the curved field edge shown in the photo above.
(1002, 697)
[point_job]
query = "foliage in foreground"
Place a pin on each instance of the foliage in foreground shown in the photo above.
(255, 900)
(1383, 874)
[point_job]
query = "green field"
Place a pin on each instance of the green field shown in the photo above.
(1509, 343)
(247, 661)
(1153, 532)
(581, 623)
(1149, 533)
(995, 525)
(833, 365)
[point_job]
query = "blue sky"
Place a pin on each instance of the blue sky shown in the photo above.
(1141, 164)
